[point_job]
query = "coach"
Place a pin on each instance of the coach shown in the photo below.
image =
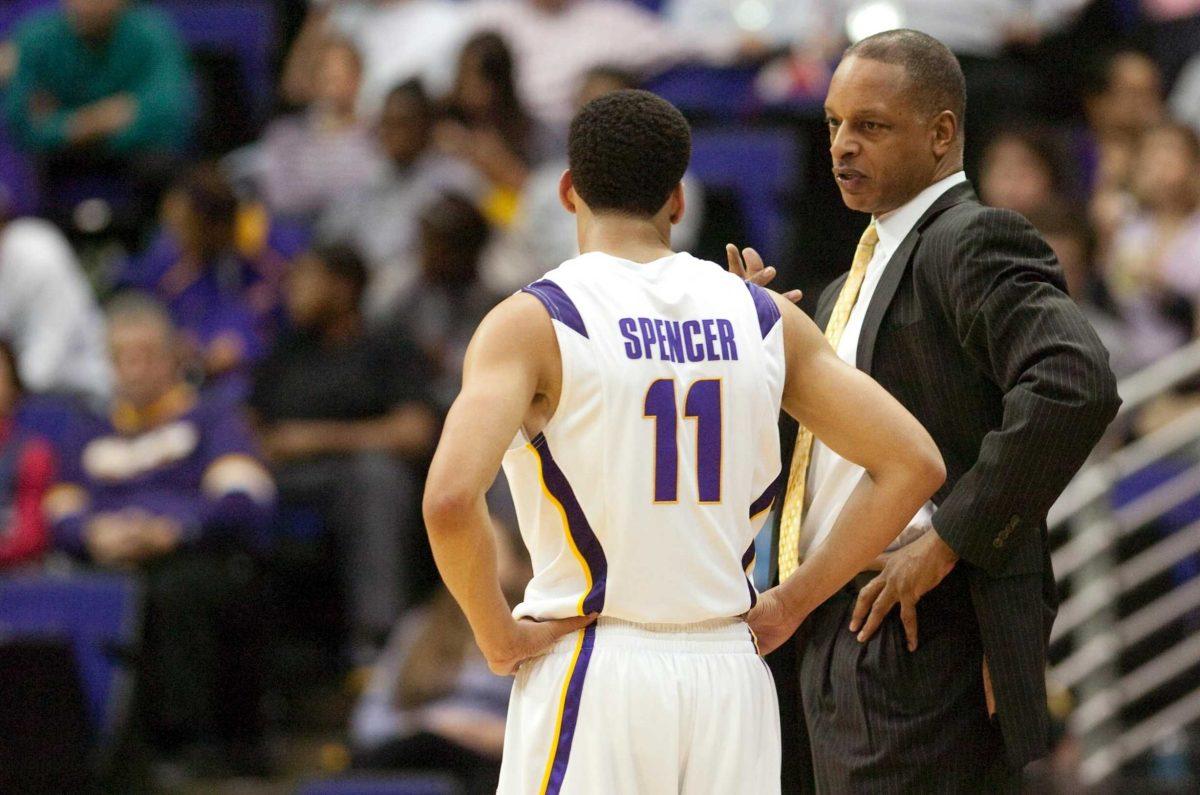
(960, 311)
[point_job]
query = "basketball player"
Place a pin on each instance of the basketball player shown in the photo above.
(624, 394)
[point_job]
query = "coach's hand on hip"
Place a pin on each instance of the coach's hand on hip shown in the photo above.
(908, 574)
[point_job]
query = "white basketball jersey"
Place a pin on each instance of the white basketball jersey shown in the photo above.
(641, 498)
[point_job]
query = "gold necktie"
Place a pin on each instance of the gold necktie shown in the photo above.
(793, 501)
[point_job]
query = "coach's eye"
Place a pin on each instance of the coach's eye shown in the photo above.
(871, 126)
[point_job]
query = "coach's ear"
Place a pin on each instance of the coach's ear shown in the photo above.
(676, 204)
(566, 192)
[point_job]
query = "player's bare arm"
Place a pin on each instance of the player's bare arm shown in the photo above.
(510, 379)
(861, 422)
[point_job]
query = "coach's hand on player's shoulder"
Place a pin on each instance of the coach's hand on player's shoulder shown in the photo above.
(772, 621)
(748, 265)
(529, 638)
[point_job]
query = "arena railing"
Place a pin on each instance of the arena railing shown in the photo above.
(1087, 532)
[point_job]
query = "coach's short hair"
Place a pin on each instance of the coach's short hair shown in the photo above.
(628, 150)
(935, 74)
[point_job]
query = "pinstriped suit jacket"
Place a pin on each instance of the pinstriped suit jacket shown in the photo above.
(972, 331)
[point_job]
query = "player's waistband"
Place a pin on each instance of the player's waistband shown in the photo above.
(716, 636)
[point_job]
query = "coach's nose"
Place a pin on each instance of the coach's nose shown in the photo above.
(842, 144)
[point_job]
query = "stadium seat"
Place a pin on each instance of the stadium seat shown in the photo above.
(99, 613)
(763, 168)
(49, 416)
(244, 28)
(381, 785)
(721, 93)
(11, 12)
(18, 180)
(1181, 516)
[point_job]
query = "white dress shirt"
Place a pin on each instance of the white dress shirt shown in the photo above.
(831, 478)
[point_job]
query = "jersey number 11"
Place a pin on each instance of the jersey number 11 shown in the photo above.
(702, 404)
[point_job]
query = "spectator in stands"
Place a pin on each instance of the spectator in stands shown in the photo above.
(168, 485)
(308, 160)
(48, 313)
(1024, 169)
(380, 220)
(225, 304)
(1152, 266)
(26, 472)
(1065, 228)
(344, 419)
(101, 88)
(400, 40)
(1185, 95)
(484, 123)
(542, 234)
(556, 43)
(802, 25)
(431, 703)
(1122, 98)
(448, 302)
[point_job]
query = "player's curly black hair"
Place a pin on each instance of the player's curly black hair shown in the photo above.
(628, 150)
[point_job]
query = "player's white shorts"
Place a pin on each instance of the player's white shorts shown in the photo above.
(645, 709)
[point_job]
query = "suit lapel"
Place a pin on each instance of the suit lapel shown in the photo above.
(893, 274)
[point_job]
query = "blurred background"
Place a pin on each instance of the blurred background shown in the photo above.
(244, 244)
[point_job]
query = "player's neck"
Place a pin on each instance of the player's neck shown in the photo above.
(634, 239)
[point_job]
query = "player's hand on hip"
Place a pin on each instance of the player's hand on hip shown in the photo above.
(908, 574)
(772, 622)
(530, 638)
(748, 265)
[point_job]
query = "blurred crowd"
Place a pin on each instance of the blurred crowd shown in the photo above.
(223, 362)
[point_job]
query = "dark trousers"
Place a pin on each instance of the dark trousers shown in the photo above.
(366, 500)
(131, 186)
(878, 718)
(200, 671)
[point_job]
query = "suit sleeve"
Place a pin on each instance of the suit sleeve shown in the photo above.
(1004, 294)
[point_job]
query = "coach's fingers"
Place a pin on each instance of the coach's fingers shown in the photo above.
(763, 277)
(866, 598)
(883, 605)
(754, 264)
(735, 261)
(794, 296)
(908, 617)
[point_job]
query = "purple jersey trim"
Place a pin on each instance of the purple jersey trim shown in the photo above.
(558, 304)
(747, 559)
(570, 715)
(577, 525)
(767, 497)
(764, 304)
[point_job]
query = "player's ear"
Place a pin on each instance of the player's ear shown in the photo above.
(566, 192)
(677, 204)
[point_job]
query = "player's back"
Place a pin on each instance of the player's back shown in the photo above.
(642, 496)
